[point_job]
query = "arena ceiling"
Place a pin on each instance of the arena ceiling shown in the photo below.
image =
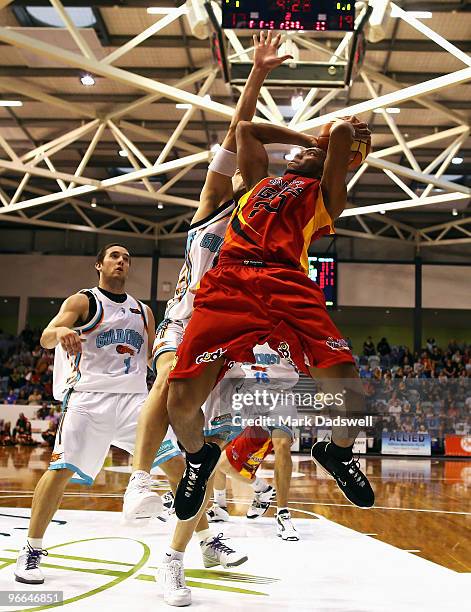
(119, 158)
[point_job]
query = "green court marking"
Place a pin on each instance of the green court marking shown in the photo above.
(124, 575)
(79, 558)
(206, 585)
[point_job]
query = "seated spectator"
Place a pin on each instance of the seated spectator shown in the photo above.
(35, 397)
(49, 436)
(383, 347)
(5, 435)
(11, 397)
(369, 347)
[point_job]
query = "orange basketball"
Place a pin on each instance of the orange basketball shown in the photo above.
(360, 148)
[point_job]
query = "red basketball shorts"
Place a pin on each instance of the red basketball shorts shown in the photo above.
(239, 306)
(247, 452)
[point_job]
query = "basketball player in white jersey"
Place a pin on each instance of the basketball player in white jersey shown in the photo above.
(103, 342)
(271, 377)
(205, 237)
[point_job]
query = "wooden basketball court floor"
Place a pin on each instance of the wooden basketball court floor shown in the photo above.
(411, 552)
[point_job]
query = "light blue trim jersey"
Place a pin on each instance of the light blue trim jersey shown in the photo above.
(203, 244)
(114, 351)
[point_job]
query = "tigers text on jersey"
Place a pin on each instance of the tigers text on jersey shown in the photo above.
(276, 222)
(204, 242)
(114, 351)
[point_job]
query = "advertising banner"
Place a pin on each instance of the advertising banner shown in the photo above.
(458, 446)
(404, 443)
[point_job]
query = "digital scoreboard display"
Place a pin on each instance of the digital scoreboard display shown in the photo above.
(313, 15)
(323, 271)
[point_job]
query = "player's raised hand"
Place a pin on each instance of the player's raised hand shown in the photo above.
(266, 51)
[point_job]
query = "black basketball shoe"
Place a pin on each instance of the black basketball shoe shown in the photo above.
(347, 474)
(192, 487)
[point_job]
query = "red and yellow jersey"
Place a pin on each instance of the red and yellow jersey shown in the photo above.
(277, 221)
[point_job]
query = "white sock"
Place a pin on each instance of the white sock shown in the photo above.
(204, 534)
(260, 485)
(173, 555)
(220, 497)
(35, 542)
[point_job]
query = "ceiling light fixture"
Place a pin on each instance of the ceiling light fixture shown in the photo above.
(160, 206)
(123, 153)
(391, 110)
(454, 212)
(457, 161)
(161, 10)
(87, 80)
(11, 103)
(183, 106)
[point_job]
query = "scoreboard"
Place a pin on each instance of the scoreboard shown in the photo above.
(314, 15)
(323, 271)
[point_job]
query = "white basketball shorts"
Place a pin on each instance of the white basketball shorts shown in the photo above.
(91, 423)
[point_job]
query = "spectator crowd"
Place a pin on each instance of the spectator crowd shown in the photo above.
(427, 391)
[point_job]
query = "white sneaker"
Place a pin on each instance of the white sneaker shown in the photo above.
(217, 514)
(285, 528)
(27, 565)
(140, 502)
(168, 501)
(172, 580)
(261, 503)
(215, 552)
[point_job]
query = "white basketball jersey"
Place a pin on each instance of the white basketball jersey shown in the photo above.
(270, 369)
(114, 351)
(203, 244)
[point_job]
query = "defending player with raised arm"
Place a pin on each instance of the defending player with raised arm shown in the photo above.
(262, 274)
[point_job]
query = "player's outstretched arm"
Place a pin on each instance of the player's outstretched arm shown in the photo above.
(335, 171)
(74, 308)
(252, 158)
(218, 185)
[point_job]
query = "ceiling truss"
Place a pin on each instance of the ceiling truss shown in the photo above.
(23, 202)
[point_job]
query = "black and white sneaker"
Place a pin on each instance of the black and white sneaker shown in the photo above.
(192, 487)
(350, 479)
(285, 528)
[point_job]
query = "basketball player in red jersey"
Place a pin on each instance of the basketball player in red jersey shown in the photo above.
(260, 292)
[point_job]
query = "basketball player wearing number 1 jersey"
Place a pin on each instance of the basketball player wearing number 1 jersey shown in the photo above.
(259, 292)
(102, 339)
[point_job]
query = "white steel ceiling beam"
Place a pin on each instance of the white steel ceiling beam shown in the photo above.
(418, 176)
(403, 204)
(423, 29)
(392, 126)
(88, 153)
(35, 93)
(21, 41)
(150, 31)
(396, 97)
(73, 30)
